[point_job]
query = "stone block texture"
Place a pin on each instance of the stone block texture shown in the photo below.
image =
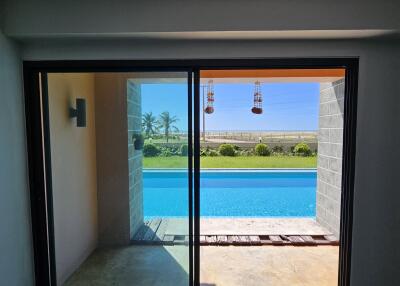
(135, 157)
(330, 145)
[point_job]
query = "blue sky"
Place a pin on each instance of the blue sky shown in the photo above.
(286, 106)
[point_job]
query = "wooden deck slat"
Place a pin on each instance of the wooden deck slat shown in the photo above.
(168, 239)
(154, 232)
(254, 239)
(152, 229)
(142, 231)
(211, 239)
(238, 240)
(276, 239)
(322, 242)
(295, 239)
(265, 240)
(222, 239)
(161, 231)
(244, 239)
(234, 239)
(179, 239)
(308, 240)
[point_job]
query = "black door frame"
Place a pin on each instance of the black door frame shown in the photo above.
(39, 162)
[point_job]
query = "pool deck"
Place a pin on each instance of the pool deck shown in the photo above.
(253, 226)
(241, 231)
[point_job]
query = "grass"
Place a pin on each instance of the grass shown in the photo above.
(233, 162)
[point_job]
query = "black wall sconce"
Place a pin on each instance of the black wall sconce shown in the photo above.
(79, 112)
(138, 141)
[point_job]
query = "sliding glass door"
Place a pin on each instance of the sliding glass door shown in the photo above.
(120, 177)
(114, 165)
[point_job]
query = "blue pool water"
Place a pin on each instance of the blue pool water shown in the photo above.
(232, 193)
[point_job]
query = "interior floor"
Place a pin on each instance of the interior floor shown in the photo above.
(269, 266)
(134, 265)
(220, 266)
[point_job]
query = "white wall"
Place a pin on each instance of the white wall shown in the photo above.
(73, 160)
(119, 166)
(16, 267)
(112, 159)
(122, 18)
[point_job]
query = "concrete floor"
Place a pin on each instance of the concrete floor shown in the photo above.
(220, 266)
(134, 266)
(269, 266)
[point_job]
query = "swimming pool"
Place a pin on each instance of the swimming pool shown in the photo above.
(227, 193)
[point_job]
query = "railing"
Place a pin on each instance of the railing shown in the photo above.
(251, 136)
(307, 136)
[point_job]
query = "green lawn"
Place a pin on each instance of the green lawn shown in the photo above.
(234, 162)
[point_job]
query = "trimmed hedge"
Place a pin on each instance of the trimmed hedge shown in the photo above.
(150, 150)
(262, 150)
(302, 149)
(226, 150)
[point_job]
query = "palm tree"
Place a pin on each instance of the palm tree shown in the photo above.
(149, 124)
(166, 122)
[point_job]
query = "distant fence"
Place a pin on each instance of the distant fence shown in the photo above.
(271, 136)
(247, 140)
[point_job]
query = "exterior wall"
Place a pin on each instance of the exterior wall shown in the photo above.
(329, 169)
(16, 261)
(73, 160)
(134, 102)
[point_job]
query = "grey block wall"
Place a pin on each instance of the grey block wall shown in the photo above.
(330, 140)
(135, 157)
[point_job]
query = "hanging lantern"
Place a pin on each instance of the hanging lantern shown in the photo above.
(210, 98)
(257, 107)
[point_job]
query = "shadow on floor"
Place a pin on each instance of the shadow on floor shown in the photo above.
(134, 265)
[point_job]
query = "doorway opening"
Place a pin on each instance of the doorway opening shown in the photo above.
(115, 154)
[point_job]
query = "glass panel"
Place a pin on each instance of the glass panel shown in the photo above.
(119, 148)
(271, 155)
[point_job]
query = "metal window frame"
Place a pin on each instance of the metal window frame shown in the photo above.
(39, 160)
